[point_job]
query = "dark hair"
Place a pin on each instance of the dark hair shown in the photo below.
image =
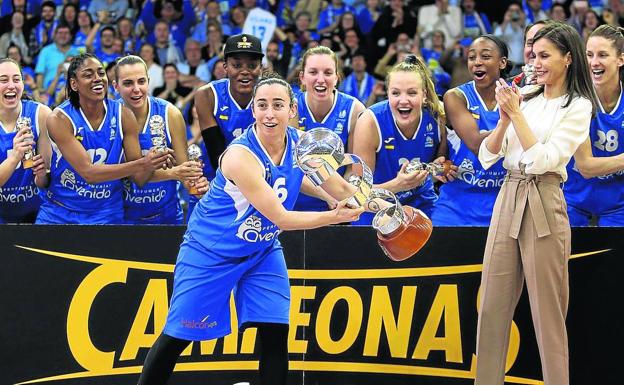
(128, 60)
(74, 65)
(538, 22)
(91, 23)
(172, 66)
(156, 59)
(503, 50)
(48, 3)
(565, 9)
(616, 36)
(273, 78)
(598, 17)
(108, 28)
(63, 25)
(123, 18)
(577, 82)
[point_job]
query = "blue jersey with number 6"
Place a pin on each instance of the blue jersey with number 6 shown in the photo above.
(602, 194)
(224, 221)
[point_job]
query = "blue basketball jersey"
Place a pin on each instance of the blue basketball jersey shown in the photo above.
(105, 146)
(337, 119)
(604, 193)
(231, 118)
(225, 223)
(395, 149)
(152, 199)
(469, 200)
(19, 196)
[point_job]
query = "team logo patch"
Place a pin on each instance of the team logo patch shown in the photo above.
(244, 43)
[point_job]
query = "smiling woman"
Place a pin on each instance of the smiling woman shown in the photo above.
(472, 111)
(529, 235)
(407, 126)
(22, 129)
(600, 199)
(231, 243)
(89, 134)
(157, 201)
(322, 105)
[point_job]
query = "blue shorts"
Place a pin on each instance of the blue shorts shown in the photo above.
(171, 214)
(580, 217)
(52, 214)
(203, 283)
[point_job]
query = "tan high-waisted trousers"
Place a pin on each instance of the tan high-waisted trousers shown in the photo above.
(528, 239)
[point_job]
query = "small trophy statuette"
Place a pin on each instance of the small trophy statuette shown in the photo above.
(157, 129)
(529, 73)
(434, 169)
(24, 122)
(194, 155)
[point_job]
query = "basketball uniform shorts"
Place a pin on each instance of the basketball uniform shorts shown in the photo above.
(204, 282)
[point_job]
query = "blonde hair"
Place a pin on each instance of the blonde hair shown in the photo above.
(415, 65)
(320, 50)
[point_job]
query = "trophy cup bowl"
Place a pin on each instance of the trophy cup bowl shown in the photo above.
(401, 230)
(21, 123)
(194, 154)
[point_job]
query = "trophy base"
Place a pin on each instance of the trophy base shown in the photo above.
(409, 238)
(193, 191)
(27, 163)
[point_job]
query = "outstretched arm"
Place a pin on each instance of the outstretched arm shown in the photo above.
(240, 166)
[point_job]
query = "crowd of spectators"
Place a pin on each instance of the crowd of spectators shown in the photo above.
(182, 40)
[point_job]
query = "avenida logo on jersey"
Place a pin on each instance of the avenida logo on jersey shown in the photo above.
(251, 230)
(68, 180)
(468, 174)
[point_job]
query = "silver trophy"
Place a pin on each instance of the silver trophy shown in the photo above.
(21, 123)
(157, 130)
(434, 169)
(194, 154)
(401, 230)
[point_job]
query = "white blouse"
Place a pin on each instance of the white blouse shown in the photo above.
(559, 132)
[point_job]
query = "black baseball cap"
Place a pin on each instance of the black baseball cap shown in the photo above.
(243, 43)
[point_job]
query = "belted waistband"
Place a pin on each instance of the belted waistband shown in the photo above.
(527, 188)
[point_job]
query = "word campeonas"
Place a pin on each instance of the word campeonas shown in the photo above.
(380, 321)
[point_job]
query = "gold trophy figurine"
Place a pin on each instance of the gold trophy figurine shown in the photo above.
(157, 130)
(24, 122)
(194, 155)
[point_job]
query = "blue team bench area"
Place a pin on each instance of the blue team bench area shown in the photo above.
(83, 304)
